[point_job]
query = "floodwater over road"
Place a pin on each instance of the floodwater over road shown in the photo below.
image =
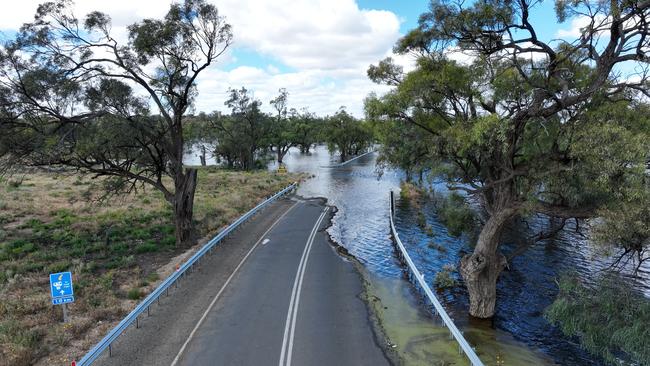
(518, 335)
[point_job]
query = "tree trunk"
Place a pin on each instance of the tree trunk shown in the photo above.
(203, 162)
(280, 155)
(480, 270)
(184, 208)
(344, 155)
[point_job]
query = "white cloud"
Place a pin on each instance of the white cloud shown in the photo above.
(579, 24)
(309, 88)
(327, 45)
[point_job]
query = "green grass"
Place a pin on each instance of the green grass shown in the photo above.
(134, 294)
(52, 223)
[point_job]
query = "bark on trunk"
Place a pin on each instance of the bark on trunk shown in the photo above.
(480, 270)
(184, 208)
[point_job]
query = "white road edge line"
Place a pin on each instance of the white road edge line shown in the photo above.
(216, 297)
(290, 324)
(293, 294)
(295, 308)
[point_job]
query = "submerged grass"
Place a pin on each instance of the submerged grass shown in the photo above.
(419, 339)
(50, 223)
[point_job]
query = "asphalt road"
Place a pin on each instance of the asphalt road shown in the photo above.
(279, 295)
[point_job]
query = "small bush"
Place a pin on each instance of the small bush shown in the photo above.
(152, 277)
(421, 220)
(146, 247)
(134, 294)
(456, 214)
(444, 278)
(168, 241)
(15, 183)
(58, 267)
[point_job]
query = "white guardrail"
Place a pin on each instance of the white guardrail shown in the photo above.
(463, 345)
(347, 161)
(134, 315)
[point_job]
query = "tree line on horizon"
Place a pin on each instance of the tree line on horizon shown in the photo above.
(72, 96)
(246, 137)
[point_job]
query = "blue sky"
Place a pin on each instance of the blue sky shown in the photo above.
(319, 50)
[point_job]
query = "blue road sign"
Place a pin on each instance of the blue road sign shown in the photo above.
(61, 288)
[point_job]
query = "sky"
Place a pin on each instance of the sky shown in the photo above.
(319, 50)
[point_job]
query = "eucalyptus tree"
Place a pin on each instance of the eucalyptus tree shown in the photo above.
(346, 134)
(307, 129)
(523, 127)
(282, 133)
(82, 97)
(242, 134)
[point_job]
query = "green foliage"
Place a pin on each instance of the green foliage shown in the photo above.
(608, 318)
(347, 135)
(12, 331)
(444, 278)
(560, 135)
(134, 294)
(242, 134)
(456, 214)
(147, 247)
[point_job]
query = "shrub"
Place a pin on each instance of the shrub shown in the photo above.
(456, 214)
(146, 247)
(444, 278)
(134, 294)
(58, 267)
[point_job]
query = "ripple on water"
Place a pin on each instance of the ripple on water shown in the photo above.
(519, 333)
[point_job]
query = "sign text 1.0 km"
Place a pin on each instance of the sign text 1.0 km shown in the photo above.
(61, 288)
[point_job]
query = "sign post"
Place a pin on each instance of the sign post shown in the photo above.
(62, 291)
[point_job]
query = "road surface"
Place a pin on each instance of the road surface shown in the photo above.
(276, 293)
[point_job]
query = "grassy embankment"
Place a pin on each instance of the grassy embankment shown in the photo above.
(116, 250)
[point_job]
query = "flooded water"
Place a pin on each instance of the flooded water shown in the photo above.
(518, 335)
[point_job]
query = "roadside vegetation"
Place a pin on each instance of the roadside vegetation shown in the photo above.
(527, 126)
(52, 222)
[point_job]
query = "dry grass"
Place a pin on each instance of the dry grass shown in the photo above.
(49, 223)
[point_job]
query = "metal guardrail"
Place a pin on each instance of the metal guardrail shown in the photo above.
(347, 161)
(133, 316)
(439, 309)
